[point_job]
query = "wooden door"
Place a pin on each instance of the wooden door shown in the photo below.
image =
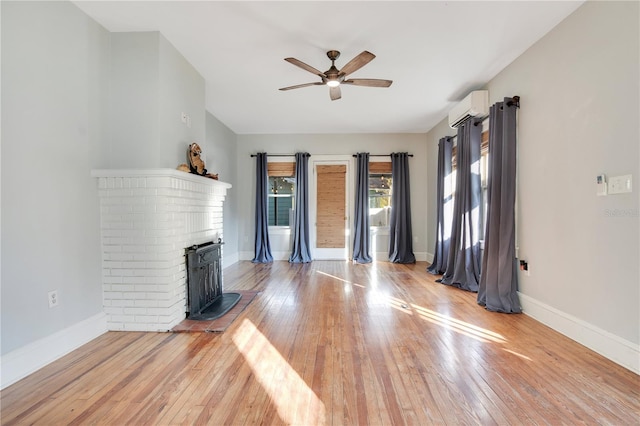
(331, 211)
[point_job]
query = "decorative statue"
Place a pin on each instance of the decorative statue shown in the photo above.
(196, 165)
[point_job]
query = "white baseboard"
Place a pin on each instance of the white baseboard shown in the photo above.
(429, 257)
(277, 255)
(383, 256)
(21, 362)
(379, 256)
(618, 350)
(228, 260)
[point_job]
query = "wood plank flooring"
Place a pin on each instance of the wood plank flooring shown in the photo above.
(338, 344)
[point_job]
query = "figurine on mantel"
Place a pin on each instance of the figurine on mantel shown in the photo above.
(196, 165)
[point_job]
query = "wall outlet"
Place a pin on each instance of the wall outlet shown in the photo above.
(53, 298)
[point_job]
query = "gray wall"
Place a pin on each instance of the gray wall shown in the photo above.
(221, 153)
(579, 118)
(151, 86)
(75, 98)
(55, 63)
(328, 144)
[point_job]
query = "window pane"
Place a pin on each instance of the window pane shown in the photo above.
(280, 200)
(380, 186)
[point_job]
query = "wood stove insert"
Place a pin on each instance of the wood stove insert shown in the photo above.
(207, 301)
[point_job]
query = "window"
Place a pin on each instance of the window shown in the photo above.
(380, 188)
(484, 174)
(281, 194)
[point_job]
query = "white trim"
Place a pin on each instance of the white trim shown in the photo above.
(317, 253)
(383, 256)
(280, 255)
(421, 256)
(615, 348)
(23, 361)
(245, 255)
(429, 257)
(228, 260)
(277, 255)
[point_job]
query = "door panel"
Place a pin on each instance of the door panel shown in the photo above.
(330, 232)
(331, 209)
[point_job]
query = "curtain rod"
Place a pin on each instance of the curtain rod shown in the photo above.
(309, 155)
(280, 155)
(380, 155)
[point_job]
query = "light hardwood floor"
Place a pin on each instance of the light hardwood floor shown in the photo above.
(335, 343)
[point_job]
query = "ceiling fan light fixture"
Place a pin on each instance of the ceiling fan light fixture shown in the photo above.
(334, 77)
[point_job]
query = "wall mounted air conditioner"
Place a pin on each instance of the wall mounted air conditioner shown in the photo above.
(476, 104)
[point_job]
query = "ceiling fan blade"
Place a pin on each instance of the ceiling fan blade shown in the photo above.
(358, 62)
(370, 82)
(298, 86)
(304, 66)
(335, 93)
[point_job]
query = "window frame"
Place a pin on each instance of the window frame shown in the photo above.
(379, 167)
(285, 169)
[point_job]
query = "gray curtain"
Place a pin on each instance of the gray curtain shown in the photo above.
(301, 252)
(262, 245)
(499, 278)
(361, 242)
(444, 198)
(400, 235)
(463, 265)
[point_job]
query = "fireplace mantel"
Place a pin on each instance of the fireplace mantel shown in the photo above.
(150, 173)
(147, 218)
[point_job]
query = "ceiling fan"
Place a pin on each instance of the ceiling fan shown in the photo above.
(334, 77)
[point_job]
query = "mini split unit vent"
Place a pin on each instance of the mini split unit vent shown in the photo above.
(476, 104)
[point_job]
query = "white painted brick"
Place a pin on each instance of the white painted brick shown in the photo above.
(146, 319)
(122, 318)
(113, 311)
(115, 326)
(125, 288)
(146, 303)
(146, 223)
(135, 311)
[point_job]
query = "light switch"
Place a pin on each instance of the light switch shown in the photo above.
(620, 184)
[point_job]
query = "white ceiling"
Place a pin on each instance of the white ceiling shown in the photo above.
(434, 51)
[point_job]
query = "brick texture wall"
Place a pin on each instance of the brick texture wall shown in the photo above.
(148, 218)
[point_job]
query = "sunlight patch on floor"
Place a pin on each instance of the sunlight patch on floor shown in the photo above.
(340, 279)
(518, 354)
(400, 305)
(458, 326)
(295, 401)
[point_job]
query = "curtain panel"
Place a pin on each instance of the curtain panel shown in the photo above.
(400, 233)
(262, 247)
(361, 238)
(463, 264)
(444, 201)
(498, 290)
(301, 252)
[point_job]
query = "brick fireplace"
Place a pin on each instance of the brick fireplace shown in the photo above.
(147, 219)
